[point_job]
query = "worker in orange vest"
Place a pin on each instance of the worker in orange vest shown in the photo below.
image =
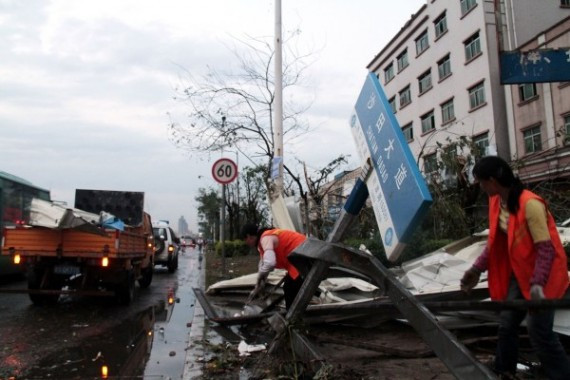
(526, 260)
(274, 245)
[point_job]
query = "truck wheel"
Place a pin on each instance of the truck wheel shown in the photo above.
(125, 291)
(35, 276)
(146, 277)
(173, 264)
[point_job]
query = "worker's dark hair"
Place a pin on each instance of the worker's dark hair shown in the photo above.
(251, 229)
(495, 167)
(248, 229)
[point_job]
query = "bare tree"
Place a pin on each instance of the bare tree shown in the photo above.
(230, 109)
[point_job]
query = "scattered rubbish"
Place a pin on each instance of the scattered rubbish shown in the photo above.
(246, 349)
(172, 353)
(97, 357)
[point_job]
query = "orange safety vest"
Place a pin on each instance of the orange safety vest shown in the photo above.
(288, 241)
(514, 252)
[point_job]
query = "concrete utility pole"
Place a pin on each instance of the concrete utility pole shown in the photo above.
(278, 127)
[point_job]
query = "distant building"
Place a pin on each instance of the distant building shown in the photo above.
(183, 227)
(440, 73)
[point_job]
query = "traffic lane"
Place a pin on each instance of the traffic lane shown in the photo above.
(68, 337)
(172, 328)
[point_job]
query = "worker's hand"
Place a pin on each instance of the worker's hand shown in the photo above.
(470, 279)
(259, 287)
(536, 292)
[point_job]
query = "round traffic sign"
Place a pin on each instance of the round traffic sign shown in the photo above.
(224, 171)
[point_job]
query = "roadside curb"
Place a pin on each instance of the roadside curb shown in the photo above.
(193, 369)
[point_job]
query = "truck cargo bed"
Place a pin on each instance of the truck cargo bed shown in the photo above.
(39, 241)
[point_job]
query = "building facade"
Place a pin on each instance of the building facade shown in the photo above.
(441, 72)
(182, 227)
(540, 116)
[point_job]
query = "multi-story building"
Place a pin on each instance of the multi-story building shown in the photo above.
(540, 116)
(441, 72)
(182, 226)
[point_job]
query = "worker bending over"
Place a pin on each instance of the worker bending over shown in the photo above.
(274, 246)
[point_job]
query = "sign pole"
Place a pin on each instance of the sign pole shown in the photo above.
(224, 171)
(223, 230)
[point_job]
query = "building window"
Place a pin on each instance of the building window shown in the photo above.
(408, 132)
(532, 140)
(389, 73)
(527, 91)
(428, 122)
(444, 67)
(430, 163)
(481, 143)
(477, 95)
(440, 25)
(392, 102)
(405, 97)
(472, 47)
(567, 126)
(403, 60)
(424, 81)
(447, 112)
(565, 3)
(467, 5)
(422, 43)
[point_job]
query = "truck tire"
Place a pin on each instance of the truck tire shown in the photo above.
(146, 276)
(35, 276)
(173, 264)
(125, 291)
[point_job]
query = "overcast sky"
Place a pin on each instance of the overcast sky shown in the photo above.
(86, 86)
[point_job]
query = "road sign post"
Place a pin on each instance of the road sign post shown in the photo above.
(224, 171)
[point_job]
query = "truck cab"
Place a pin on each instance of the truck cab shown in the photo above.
(166, 245)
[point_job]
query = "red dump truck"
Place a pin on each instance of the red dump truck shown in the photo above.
(85, 260)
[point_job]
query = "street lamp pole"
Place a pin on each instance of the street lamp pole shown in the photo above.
(278, 130)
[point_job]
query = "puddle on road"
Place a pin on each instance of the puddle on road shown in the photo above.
(149, 345)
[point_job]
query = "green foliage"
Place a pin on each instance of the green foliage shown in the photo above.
(233, 248)
(209, 204)
(373, 244)
(557, 195)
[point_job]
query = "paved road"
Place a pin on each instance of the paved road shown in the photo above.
(76, 337)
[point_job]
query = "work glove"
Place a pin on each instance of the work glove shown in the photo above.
(259, 287)
(470, 279)
(536, 292)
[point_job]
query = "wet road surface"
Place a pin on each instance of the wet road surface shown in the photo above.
(79, 336)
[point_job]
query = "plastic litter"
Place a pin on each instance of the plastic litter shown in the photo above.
(246, 349)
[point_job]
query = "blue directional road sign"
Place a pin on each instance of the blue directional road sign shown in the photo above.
(541, 65)
(397, 189)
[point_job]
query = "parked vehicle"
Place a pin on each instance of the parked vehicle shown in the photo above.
(80, 256)
(15, 196)
(166, 246)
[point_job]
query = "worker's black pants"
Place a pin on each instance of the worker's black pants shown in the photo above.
(544, 340)
(291, 288)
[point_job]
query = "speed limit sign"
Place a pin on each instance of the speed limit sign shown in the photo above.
(224, 171)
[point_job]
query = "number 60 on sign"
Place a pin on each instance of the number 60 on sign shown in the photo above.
(224, 171)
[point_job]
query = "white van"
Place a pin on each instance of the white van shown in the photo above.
(166, 245)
